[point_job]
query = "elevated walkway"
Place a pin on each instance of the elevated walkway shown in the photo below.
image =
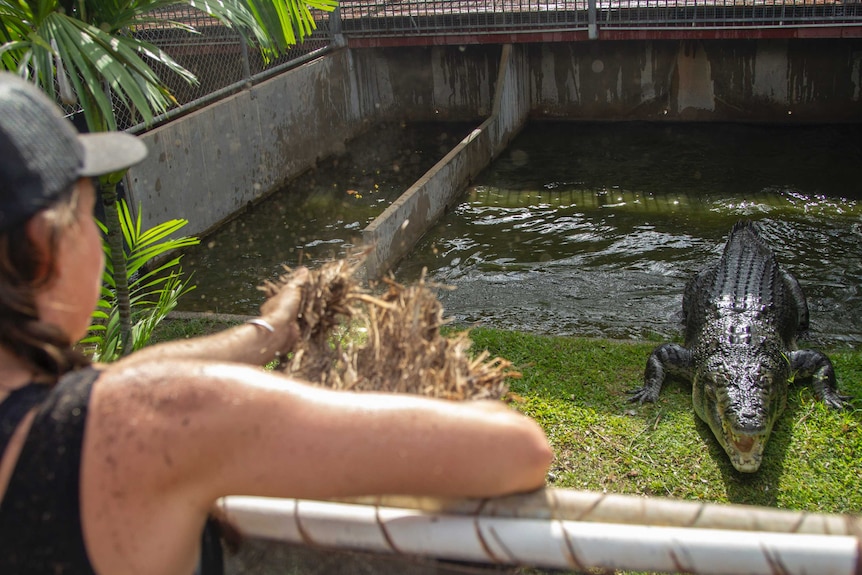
(367, 23)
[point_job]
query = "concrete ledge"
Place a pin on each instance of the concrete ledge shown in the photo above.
(392, 235)
(209, 166)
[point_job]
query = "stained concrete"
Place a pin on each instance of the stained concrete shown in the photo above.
(210, 165)
(718, 80)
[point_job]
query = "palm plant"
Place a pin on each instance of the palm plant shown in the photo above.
(153, 291)
(85, 53)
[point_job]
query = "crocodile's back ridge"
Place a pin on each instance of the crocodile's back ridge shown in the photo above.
(747, 273)
(746, 281)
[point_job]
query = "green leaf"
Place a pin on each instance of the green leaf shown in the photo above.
(152, 294)
(91, 46)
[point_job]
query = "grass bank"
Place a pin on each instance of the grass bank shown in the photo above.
(576, 389)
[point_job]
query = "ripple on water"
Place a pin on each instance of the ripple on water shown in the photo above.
(599, 249)
(578, 228)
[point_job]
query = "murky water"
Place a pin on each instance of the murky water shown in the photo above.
(592, 229)
(317, 217)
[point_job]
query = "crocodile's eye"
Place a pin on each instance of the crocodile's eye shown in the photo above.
(710, 390)
(709, 386)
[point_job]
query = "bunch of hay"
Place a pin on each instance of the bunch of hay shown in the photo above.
(353, 340)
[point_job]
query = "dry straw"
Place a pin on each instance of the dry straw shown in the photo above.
(351, 339)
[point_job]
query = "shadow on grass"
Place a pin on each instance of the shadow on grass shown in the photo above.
(576, 389)
(760, 487)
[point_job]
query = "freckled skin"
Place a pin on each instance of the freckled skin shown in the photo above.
(742, 316)
(175, 426)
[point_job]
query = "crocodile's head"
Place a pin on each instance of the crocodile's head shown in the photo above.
(739, 394)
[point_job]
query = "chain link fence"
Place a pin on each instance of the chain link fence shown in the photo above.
(217, 55)
(224, 64)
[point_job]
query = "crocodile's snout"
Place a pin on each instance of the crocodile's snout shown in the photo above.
(737, 404)
(743, 447)
(750, 414)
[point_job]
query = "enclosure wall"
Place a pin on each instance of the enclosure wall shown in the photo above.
(213, 162)
(392, 235)
(717, 80)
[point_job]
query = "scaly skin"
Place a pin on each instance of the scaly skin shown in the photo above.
(742, 316)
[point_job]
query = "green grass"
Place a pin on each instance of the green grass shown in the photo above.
(576, 389)
(171, 329)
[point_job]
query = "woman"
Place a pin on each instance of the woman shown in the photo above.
(114, 469)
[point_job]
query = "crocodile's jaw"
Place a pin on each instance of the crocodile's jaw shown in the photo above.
(744, 447)
(745, 450)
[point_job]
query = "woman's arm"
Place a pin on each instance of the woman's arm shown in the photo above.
(250, 343)
(333, 444)
(219, 429)
(164, 440)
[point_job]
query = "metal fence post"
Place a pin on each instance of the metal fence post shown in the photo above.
(335, 30)
(592, 26)
(246, 65)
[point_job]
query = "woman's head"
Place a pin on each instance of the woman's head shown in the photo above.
(50, 248)
(27, 270)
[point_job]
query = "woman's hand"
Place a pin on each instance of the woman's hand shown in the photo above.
(281, 310)
(251, 343)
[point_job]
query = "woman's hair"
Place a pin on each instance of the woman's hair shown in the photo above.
(24, 268)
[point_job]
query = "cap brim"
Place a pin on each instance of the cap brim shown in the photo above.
(109, 152)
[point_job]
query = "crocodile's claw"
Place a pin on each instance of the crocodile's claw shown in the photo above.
(642, 395)
(836, 400)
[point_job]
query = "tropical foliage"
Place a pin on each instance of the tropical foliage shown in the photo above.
(86, 54)
(153, 293)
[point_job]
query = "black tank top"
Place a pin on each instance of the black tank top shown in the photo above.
(40, 519)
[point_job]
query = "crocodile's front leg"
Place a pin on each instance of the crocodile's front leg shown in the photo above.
(666, 359)
(809, 363)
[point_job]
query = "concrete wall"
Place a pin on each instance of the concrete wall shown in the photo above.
(211, 164)
(718, 80)
(393, 234)
(428, 83)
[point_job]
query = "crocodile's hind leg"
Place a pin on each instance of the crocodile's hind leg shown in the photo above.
(809, 363)
(792, 285)
(666, 359)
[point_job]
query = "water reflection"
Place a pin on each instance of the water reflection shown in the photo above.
(578, 228)
(593, 229)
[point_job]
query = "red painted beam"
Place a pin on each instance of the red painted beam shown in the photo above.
(751, 33)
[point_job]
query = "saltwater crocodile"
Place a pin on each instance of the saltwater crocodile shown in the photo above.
(742, 316)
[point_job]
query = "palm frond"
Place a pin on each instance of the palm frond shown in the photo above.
(152, 294)
(286, 22)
